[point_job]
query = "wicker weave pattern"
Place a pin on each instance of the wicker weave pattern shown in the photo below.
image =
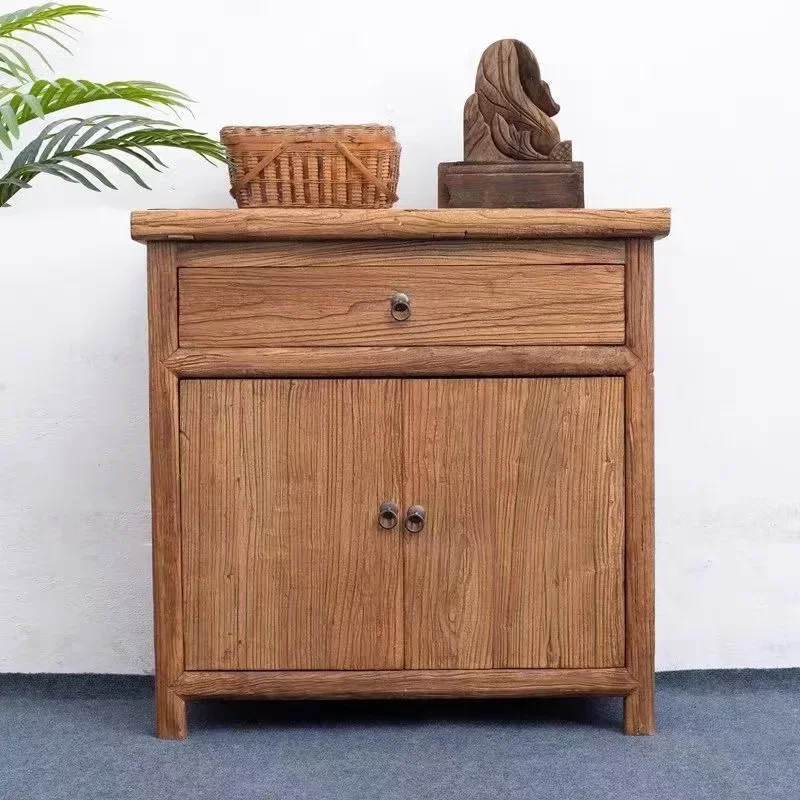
(322, 166)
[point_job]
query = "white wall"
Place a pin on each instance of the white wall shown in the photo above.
(689, 104)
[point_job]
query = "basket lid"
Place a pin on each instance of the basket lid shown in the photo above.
(235, 134)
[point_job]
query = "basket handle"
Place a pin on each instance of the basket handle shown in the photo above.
(373, 179)
(241, 182)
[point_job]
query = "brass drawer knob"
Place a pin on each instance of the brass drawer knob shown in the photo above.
(415, 519)
(400, 306)
(388, 515)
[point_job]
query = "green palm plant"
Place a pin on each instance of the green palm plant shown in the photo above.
(73, 148)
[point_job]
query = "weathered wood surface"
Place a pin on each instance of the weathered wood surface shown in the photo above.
(376, 254)
(639, 716)
(513, 153)
(297, 685)
(368, 243)
(509, 116)
(346, 306)
(377, 362)
(509, 184)
(162, 291)
(285, 565)
(452, 223)
(520, 562)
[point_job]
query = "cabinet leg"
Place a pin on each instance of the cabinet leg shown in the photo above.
(170, 714)
(640, 714)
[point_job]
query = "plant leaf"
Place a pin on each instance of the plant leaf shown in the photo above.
(15, 62)
(64, 93)
(48, 20)
(32, 47)
(32, 102)
(43, 16)
(16, 182)
(63, 149)
(78, 164)
(8, 122)
(121, 166)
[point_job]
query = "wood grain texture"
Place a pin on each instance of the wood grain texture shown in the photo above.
(407, 683)
(162, 300)
(361, 362)
(452, 223)
(340, 306)
(377, 254)
(639, 713)
(508, 184)
(275, 574)
(285, 564)
(162, 297)
(639, 333)
(509, 115)
(520, 563)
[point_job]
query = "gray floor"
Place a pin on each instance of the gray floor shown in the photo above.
(721, 735)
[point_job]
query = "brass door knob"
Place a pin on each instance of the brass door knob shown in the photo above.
(400, 306)
(388, 515)
(415, 519)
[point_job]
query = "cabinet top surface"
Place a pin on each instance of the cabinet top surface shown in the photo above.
(430, 223)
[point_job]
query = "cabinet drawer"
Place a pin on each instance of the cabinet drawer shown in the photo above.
(457, 304)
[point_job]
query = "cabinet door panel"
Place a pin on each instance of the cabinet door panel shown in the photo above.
(284, 563)
(520, 563)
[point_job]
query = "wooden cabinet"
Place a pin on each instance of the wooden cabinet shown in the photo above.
(401, 453)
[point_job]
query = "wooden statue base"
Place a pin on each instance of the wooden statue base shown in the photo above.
(511, 184)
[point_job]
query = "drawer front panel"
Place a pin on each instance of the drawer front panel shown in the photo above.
(559, 304)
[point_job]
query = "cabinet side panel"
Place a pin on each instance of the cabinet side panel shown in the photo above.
(640, 491)
(286, 566)
(521, 561)
(162, 296)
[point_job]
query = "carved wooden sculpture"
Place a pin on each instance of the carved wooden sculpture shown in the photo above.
(513, 153)
(508, 117)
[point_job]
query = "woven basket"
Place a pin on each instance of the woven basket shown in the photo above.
(321, 166)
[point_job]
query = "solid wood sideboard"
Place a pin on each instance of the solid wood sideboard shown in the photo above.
(402, 453)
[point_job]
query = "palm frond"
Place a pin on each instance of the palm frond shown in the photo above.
(18, 28)
(46, 15)
(45, 97)
(14, 64)
(63, 148)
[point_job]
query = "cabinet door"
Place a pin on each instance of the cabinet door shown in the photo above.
(520, 562)
(285, 565)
